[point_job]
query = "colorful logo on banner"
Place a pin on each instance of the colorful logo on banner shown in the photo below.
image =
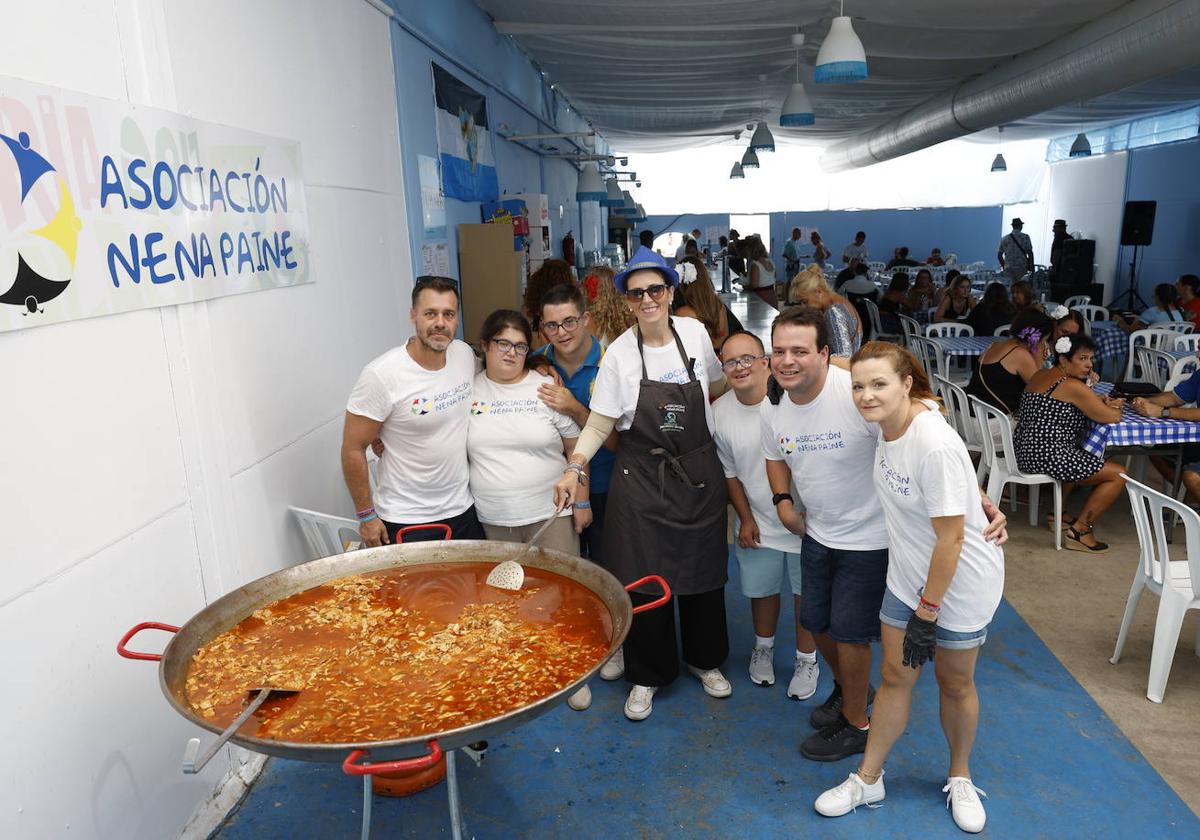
(29, 289)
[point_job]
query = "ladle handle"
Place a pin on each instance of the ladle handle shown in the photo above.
(664, 598)
(138, 628)
(411, 528)
(351, 766)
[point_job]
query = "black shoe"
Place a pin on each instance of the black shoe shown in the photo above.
(829, 712)
(835, 742)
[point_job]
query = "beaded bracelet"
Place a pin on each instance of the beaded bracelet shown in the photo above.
(578, 470)
(929, 606)
(366, 514)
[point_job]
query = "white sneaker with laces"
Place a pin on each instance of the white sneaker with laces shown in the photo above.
(714, 682)
(847, 796)
(804, 679)
(962, 798)
(762, 666)
(640, 703)
(614, 668)
(581, 699)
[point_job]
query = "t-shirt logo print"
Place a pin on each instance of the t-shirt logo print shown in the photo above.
(787, 444)
(421, 406)
(480, 407)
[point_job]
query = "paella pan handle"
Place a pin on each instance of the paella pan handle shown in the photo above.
(445, 529)
(664, 598)
(138, 628)
(421, 762)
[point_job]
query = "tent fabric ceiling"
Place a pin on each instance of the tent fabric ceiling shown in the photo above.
(657, 75)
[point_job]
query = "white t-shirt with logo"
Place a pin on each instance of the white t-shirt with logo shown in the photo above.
(618, 381)
(926, 473)
(739, 444)
(514, 442)
(829, 448)
(422, 475)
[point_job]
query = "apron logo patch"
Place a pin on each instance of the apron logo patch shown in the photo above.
(672, 413)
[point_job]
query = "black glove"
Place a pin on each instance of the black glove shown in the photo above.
(920, 641)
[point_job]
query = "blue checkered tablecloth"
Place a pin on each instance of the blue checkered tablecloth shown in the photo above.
(966, 345)
(1136, 430)
(1111, 340)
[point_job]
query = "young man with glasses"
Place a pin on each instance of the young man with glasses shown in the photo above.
(765, 549)
(415, 398)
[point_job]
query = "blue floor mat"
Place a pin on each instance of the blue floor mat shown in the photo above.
(1052, 763)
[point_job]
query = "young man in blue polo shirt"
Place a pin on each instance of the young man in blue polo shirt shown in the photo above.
(575, 354)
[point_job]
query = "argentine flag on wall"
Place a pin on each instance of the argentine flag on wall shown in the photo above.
(464, 142)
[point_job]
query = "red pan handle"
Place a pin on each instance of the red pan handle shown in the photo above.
(445, 530)
(666, 596)
(421, 762)
(138, 628)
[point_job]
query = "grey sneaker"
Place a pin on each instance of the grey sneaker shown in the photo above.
(614, 668)
(804, 679)
(640, 702)
(762, 666)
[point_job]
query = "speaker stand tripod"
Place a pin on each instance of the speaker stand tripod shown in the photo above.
(1130, 295)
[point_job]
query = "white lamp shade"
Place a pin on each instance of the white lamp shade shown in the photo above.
(1081, 147)
(762, 141)
(613, 190)
(591, 185)
(750, 159)
(998, 164)
(842, 57)
(797, 109)
(628, 206)
(737, 172)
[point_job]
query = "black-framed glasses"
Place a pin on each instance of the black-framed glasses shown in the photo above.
(655, 291)
(568, 324)
(505, 346)
(740, 362)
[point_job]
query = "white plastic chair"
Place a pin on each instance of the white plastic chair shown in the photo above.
(941, 389)
(1156, 365)
(876, 265)
(1002, 465)
(1175, 582)
(963, 419)
(1078, 300)
(1004, 330)
(1153, 337)
(325, 534)
(928, 353)
(1181, 370)
(1189, 342)
(910, 327)
(1089, 312)
(949, 330)
(877, 333)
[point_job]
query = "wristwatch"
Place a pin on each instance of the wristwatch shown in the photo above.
(1165, 414)
(779, 497)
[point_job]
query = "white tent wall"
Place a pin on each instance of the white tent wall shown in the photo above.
(1090, 194)
(150, 456)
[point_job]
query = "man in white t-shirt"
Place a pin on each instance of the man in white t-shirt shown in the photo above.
(764, 548)
(856, 249)
(415, 398)
(815, 437)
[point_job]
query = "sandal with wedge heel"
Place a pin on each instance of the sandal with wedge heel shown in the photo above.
(1073, 540)
(1063, 524)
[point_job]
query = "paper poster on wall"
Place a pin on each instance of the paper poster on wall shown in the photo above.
(433, 205)
(435, 259)
(108, 207)
(464, 142)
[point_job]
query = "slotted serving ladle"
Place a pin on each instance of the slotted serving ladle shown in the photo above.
(510, 574)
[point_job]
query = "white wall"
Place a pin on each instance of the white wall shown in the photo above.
(1090, 194)
(149, 457)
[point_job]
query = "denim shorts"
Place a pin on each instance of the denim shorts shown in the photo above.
(842, 591)
(763, 568)
(896, 613)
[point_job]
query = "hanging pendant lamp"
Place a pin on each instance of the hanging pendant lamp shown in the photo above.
(797, 109)
(1081, 147)
(640, 215)
(591, 186)
(762, 141)
(628, 206)
(613, 191)
(841, 57)
(998, 163)
(737, 172)
(750, 159)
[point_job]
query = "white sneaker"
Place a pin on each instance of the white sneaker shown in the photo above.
(614, 668)
(714, 682)
(962, 798)
(847, 796)
(641, 702)
(804, 679)
(581, 699)
(762, 666)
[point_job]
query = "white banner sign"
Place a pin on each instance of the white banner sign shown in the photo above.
(108, 207)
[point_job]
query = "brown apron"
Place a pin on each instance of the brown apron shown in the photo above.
(666, 503)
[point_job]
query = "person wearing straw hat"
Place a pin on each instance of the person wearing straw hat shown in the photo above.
(667, 497)
(1015, 253)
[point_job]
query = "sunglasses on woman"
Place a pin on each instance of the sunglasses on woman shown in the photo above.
(656, 292)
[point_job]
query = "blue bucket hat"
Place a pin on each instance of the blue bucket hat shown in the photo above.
(646, 259)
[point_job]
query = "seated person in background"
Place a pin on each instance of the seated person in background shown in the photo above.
(858, 283)
(921, 295)
(1179, 404)
(858, 290)
(1188, 285)
(902, 258)
(957, 304)
(1165, 309)
(893, 303)
(1057, 412)
(1066, 322)
(809, 288)
(700, 301)
(935, 257)
(993, 312)
(1006, 366)
(846, 273)
(947, 282)
(1022, 295)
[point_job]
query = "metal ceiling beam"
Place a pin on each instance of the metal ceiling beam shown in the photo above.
(512, 27)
